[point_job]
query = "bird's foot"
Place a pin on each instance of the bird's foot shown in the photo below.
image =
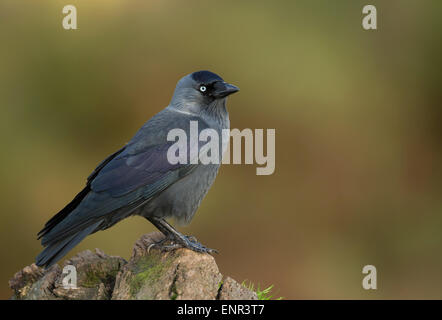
(188, 242)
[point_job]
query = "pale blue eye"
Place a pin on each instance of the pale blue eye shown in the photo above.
(203, 88)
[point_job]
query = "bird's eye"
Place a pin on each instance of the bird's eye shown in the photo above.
(203, 88)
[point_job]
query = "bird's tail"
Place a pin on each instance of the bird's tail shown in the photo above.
(59, 242)
(64, 230)
(56, 250)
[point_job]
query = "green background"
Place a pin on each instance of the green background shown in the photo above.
(357, 115)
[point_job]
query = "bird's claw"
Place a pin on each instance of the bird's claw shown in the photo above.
(188, 242)
(193, 244)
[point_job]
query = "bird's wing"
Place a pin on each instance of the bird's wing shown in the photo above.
(144, 162)
(149, 168)
(63, 213)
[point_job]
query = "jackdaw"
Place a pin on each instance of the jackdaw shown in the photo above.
(138, 179)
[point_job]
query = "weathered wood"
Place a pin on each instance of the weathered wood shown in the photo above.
(149, 274)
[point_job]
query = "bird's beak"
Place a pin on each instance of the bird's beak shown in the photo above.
(223, 89)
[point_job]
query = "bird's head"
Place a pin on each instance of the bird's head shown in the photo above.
(202, 89)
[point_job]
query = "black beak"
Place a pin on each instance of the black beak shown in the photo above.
(223, 89)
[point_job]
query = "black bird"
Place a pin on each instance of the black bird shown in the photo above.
(138, 179)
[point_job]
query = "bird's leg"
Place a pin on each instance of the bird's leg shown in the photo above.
(167, 235)
(178, 240)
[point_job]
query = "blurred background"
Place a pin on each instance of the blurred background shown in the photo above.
(357, 114)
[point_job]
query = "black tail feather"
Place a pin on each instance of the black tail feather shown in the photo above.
(55, 251)
(64, 212)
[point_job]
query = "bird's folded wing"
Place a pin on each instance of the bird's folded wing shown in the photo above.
(144, 161)
(149, 169)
